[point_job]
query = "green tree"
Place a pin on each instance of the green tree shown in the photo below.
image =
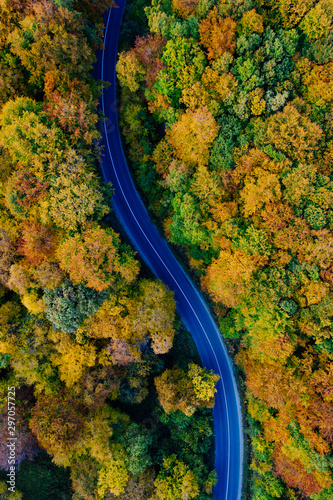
(136, 441)
(184, 62)
(176, 481)
(68, 305)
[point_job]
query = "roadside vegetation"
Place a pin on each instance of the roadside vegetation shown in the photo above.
(226, 111)
(111, 399)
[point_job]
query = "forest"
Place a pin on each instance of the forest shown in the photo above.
(111, 399)
(226, 112)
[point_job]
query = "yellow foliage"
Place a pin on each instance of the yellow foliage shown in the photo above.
(314, 292)
(33, 303)
(257, 410)
(226, 278)
(192, 135)
(251, 22)
(256, 102)
(73, 359)
(114, 477)
(130, 71)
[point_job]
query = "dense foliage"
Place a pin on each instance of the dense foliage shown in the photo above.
(227, 115)
(84, 337)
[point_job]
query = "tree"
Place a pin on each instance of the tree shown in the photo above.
(292, 11)
(72, 205)
(56, 421)
(8, 254)
(37, 243)
(130, 71)
(293, 133)
(73, 359)
(75, 115)
(23, 191)
(94, 258)
(138, 487)
(84, 478)
(295, 474)
(251, 22)
(136, 441)
(5, 494)
(184, 62)
(27, 133)
(175, 481)
(217, 35)
(203, 383)
(114, 477)
(155, 315)
(68, 305)
(49, 275)
(317, 22)
(185, 8)
(178, 390)
(49, 39)
(185, 226)
(228, 276)
(192, 135)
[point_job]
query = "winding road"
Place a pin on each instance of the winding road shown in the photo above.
(157, 255)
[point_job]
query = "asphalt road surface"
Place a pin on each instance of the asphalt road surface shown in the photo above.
(157, 255)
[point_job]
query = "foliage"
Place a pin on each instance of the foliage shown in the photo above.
(239, 162)
(68, 305)
(175, 481)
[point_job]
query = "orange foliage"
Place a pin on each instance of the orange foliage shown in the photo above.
(226, 278)
(217, 35)
(185, 8)
(37, 243)
(296, 475)
(93, 258)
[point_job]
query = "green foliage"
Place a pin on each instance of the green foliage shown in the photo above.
(136, 441)
(185, 63)
(315, 217)
(288, 305)
(4, 360)
(43, 479)
(221, 155)
(68, 305)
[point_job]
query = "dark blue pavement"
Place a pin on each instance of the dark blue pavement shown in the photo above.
(157, 255)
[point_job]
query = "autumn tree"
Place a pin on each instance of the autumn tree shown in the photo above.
(56, 421)
(176, 480)
(26, 131)
(228, 285)
(8, 254)
(217, 35)
(47, 39)
(178, 390)
(192, 135)
(155, 315)
(185, 8)
(95, 258)
(184, 62)
(37, 243)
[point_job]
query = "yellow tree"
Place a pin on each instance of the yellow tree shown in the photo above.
(192, 135)
(228, 276)
(155, 315)
(93, 258)
(176, 481)
(72, 358)
(178, 390)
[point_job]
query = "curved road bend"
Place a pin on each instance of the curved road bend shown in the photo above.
(155, 252)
